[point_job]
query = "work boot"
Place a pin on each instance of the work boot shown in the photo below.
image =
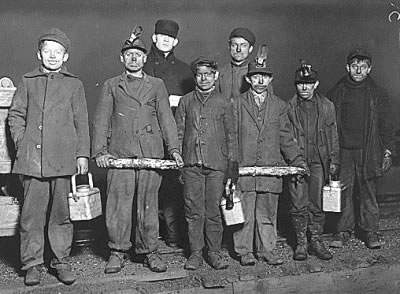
(115, 263)
(300, 228)
(269, 258)
(194, 261)
(340, 239)
(63, 271)
(33, 275)
(248, 259)
(155, 263)
(318, 249)
(300, 252)
(217, 260)
(372, 240)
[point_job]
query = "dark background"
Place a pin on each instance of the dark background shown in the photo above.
(322, 32)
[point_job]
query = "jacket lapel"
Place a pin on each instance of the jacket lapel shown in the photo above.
(144, 89)
(248, 106)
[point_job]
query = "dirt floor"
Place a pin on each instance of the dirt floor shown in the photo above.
(89, 261)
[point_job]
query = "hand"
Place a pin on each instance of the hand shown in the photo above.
(82, 165)
(102, 160)
(304, 166)
(180, 179)
(233, 171)
(386, 163)
(333, 169)
(178, 159)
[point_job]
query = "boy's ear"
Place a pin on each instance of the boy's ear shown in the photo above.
(66, 56)
(176, 41)
(39, 56)
(121, 58)
(216, 75)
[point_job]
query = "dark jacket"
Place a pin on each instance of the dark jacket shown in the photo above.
(206, 130)
(176, 74)
(49, 124)
(327, 136)
(378, 127)
(133, 126)
(262, 140)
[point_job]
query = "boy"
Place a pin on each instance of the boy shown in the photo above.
(264, 136)
(207, 138)
(49, 126)
(312, 119)
(132, 120)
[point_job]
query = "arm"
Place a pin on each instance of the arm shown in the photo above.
(101, 126)
(17, 113)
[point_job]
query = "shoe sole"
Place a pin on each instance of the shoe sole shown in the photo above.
(311, 252)
(32, 283)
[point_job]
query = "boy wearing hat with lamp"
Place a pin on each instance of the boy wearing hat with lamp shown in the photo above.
(49, 125)
(366, 139)
(313, 121)
(263, 135)
(178, 78)
(132, 120)
(209, 148)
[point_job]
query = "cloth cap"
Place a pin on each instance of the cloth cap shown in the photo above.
(203, 61)
(245, 34)
(256, 68)
(56, 35)
(359, 53)
(166, 27)
(305, 74)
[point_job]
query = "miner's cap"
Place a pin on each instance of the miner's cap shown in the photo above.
(305, 75)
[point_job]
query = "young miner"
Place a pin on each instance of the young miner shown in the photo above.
(312, 118)
(133, 119)
(264, 134)
(209, 149)
(49, 125)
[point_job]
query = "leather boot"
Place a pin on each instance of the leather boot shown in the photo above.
(300, 227)
(316, 246)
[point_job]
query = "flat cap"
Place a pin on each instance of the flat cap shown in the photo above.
(359, 53)
(245, 34)
(305, 74)
(56, 35)
(202, 60)
(166, 27)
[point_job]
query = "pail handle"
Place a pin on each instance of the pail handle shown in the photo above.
(73, 182)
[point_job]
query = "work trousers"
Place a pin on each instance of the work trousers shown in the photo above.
(132, 206)
(45, 201)
(202, 192)
(350, 175)
(260, 211)
(306, 198)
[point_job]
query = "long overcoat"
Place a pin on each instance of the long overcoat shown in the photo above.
(49, 124)
(263, 140)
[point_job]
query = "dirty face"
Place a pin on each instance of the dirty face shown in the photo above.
(306, 90)
(205, 77)
(259, 82)
(133, 60)
(359, 70)
(240, 49)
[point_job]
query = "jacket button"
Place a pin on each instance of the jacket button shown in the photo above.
(38, 146)
(40, 127)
